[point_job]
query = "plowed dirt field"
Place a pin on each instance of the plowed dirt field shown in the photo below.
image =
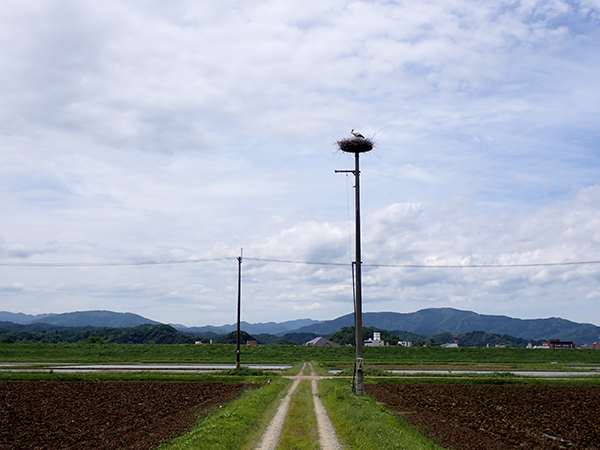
(103, 415)
(464, 417)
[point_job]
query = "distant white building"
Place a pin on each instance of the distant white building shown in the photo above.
(405, 343)
(376, 341)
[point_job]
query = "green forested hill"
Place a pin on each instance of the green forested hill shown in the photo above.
(144, 334)
(165, 334)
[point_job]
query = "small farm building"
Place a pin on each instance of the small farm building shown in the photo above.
(321, 342)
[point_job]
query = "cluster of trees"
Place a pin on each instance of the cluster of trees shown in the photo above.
(266, 338)
(346, 336)
(483, 339)
(166, 334)
(144, 334)
(472, 339)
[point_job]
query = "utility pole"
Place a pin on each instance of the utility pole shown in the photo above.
(358, 314)
(357, 145)
(239, 308)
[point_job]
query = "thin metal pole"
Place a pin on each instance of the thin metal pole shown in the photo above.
(239, 307)
(358, 312)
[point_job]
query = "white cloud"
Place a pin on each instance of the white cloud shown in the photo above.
(311, 307)
(153, 131)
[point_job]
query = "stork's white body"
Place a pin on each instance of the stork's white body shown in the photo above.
(356, 134)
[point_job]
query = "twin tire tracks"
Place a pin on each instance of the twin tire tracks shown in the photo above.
(327, 438)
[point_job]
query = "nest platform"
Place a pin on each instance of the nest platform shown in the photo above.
(355, 145)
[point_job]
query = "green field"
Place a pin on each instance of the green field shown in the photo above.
(283, 354)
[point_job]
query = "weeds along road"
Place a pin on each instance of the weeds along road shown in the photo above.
(327, 437)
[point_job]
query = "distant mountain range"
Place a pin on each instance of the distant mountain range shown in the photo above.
(126, 320)
(252, 328)
(80, 319)
(430, 321)
(448, 320)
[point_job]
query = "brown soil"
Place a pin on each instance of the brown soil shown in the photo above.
(466, 417)
(103, 415)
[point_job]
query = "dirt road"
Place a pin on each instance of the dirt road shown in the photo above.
(327, 438)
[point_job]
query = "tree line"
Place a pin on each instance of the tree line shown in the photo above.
(143, 334)
(166, 334)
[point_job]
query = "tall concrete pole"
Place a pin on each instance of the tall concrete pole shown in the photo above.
(358, 307)
(358, 144)
(239, 308)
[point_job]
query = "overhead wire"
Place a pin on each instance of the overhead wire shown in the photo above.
(484, 266)
(438, 266)
(290, 261)
(115, 263)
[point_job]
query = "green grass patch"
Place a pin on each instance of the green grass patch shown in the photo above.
(367, 372)
(245, 372)
(300, 427)
(487, 379)
(363, 424)
(237, 425)
(329, 357)
(306, 369)
(295, 370)
(320, 370)
(184, 353)
(134, 376)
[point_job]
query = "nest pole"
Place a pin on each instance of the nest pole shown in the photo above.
(358, 305)
(357, 146)
(239, 310)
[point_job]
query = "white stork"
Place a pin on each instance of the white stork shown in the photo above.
(356, 134)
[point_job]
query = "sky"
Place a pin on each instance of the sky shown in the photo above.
(179, 133)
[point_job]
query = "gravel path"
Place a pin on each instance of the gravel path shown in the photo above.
(271, 437)
(327, 438)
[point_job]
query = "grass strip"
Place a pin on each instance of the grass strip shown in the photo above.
(294, 370)
(363, 424)
(283, 354)
(300, 426)
(230, 377)
(476, 379)
(306, 369)
(237, 425)
(320, 370)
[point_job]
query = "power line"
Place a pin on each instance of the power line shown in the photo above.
(428, 266)
(476, 266)
(115, 263)
(289, 261)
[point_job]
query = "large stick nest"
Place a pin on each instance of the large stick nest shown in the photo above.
(355, 145)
